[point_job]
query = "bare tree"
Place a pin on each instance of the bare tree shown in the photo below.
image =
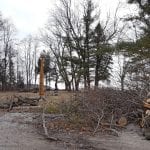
(63, 42)
(28, 59)
(72, 38)
(7, 40)
(36, 45)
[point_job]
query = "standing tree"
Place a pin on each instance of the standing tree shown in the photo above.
(80, 45)
(141, 47)
(88, 35)
(102, 55)
(7, 52)
(28, 59)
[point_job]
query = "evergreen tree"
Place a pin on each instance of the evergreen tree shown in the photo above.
(88, 35)
(102, 55)
(82, 51)
(142, 45)
(139, 67)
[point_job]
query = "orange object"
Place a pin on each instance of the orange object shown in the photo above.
(41, 88)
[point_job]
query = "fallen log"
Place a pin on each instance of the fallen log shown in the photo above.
(29, 101)
(20, 101)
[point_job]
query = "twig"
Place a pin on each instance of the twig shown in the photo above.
(99, 120)
(11, 104)
(45, 128)
(114, 125)
(113, 130)
(112, 118)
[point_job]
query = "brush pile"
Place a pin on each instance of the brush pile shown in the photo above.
(105, 108)
(146, 117)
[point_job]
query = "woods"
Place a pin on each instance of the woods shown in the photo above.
(80, 48)
(82, 81)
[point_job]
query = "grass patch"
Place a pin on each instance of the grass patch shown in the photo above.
(52, 108)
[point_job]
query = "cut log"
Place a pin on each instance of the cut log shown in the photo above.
(147, 112)
(20, 101)
(23, 101)
(148, 100)
(122, 121)
(146, 105)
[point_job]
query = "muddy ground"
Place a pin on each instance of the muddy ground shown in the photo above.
(19, 131)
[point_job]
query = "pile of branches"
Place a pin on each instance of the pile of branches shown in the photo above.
(16, 101)
(105, 107)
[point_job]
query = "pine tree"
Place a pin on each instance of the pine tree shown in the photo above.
(142, 45)
(140, 49)
(102, 55)
(88, 35)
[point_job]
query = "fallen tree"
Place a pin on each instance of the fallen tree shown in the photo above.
(16, 101)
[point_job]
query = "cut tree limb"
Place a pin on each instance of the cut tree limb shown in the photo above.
(20, 101)
(45, 128)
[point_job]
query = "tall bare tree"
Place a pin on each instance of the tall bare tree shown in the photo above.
(7, 51)
(28, 59)
(80, 44)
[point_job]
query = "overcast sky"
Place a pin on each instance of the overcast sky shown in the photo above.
(30, 15)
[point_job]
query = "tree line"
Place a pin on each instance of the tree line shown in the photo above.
(80, 48)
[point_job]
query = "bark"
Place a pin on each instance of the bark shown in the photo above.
(56, 83)
(96, 71)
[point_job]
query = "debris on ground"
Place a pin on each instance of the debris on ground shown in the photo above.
(146, 118)
(16, 101)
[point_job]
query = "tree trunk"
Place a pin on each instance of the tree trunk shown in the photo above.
(122, 84)
(97, 71)
(46, 80)
(77, 86)
(56, 83)
(67, 86)
(88, 68)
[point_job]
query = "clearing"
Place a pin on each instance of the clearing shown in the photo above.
(19, 131)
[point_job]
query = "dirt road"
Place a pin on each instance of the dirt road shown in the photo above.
(17, 132)
(128, 140)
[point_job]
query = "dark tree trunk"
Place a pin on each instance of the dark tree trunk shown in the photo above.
(46, 80)
(122, 84)
(97, 71)
(56, 83)
(67, 86)
(77, 86)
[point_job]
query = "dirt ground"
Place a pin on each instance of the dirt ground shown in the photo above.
(20, 131)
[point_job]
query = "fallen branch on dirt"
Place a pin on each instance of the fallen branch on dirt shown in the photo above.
(16, 101)
(99, 121)
(112, 125)
(113, 130)
(45, 128)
